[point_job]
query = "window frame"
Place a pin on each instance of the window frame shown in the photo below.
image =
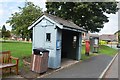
(48, 37)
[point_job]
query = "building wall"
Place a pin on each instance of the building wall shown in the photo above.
(56, 43)
(79, 46)
(70, 46)
(116, 36)
(58, 48)
(39, 39)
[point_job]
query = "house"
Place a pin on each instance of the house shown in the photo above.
(61, 37)
(88, 35)
(117, 35)
(108, 37)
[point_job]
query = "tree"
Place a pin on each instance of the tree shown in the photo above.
(118, 36)
(20, 21)
(89, 15)
(0, 33)
(5, 33)
(3, 28)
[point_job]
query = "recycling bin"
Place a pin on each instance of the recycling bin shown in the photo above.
(39, 62)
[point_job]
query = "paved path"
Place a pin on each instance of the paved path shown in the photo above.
(113, 70)
(91, 68)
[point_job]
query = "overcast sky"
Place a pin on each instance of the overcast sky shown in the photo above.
(7, 7)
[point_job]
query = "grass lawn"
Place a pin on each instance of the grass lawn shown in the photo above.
(83, 56)
(102, 50)
(22, 49)
(18, 49)
(107, 50)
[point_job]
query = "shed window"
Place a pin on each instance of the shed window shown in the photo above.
(74, 41)
(74, 38)
(48, 36)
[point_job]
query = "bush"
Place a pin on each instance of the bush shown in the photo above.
(102, 42)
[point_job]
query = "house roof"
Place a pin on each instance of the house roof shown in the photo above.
(63, 24)
(108, 37)
(93, 35)
(90, 35)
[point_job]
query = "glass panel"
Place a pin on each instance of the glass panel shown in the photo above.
(48, 36)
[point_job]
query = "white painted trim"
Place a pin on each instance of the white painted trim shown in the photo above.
(44, 16)
(76, 30)
(36, 22)
(60, 26)
(106, 69)
(55, 23)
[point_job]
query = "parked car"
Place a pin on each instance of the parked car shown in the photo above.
(118, 45)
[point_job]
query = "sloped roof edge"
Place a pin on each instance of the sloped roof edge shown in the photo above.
(58, 21)
(44, 16)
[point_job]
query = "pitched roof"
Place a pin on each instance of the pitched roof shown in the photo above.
(93, 35)
(60, 21)
(90, 35)
(108, 37)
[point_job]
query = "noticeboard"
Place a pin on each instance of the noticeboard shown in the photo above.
(58, 44)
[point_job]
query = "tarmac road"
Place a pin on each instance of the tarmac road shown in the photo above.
(91, 68)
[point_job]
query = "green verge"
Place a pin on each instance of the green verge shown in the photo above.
(107, 50)
(83, 56)
(22, 49)
(102, 50)
(18, 49)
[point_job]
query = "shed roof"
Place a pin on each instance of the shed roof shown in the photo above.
(66, 24)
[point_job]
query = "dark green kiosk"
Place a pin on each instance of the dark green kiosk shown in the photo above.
(94, 43)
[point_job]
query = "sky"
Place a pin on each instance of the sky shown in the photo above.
(8, 7)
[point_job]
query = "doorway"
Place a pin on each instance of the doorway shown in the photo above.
(69, 44)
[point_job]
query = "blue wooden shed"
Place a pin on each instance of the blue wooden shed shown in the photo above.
(61, 37)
